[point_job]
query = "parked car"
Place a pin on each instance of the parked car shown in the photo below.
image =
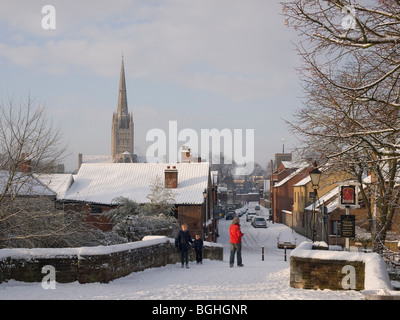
(286, 239)
(259, 222)
(250, 215)
(230, 215)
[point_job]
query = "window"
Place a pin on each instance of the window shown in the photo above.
(335, 227)
(96, 209)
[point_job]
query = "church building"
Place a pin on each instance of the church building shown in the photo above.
(122, 126)
(122, 132)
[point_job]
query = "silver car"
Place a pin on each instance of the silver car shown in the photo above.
(250, 215)
(259, 222)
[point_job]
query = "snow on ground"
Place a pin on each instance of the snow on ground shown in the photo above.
(212, 280)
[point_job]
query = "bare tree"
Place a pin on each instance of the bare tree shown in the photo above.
(30, 147)
(350, 117)
(357, 138)
(372, 37)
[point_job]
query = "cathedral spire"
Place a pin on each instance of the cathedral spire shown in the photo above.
(122, 111)
(122, 125)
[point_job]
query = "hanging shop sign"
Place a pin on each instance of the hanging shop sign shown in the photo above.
(348, 195)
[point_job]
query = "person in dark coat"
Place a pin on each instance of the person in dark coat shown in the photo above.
(198, 247)
(183, 242)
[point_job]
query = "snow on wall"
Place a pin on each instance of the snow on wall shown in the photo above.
(376, 275)
(95, 264)
(84, 251)
(28, 254)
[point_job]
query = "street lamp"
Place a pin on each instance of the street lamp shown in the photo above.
(315, 176)
(128, 222)
(205, 195)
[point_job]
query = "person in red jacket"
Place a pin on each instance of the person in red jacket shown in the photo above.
(236, 242)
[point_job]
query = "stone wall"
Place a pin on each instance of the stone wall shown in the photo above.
(306, 273)
(337, 270)
(97, 264)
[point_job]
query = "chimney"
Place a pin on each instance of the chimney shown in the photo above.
(186, 156)
(26, 164)
(171, 177)
(80, 160)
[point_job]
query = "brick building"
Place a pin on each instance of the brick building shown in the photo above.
(283, 179)
(97, 186)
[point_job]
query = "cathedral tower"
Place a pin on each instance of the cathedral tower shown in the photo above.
(122, 125)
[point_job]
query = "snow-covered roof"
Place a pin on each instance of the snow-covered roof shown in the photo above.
(328, 198)
(289, 164)
(303, 182)
(222, 189)
(59, 183)
(24, 184)
(105, 158)
(291, 176)
(97, 158)
(294, 164)
(102, 183)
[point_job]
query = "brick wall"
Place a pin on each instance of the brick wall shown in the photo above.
(99, 264)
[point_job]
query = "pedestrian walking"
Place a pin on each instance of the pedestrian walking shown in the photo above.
(236, 242)
(183, 242)
(198, 248)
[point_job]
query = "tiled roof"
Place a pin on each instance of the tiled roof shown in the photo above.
(102, 183)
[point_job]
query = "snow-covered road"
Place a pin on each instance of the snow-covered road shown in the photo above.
(268, 279)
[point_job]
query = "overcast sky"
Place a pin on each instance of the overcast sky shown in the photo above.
(203, 63)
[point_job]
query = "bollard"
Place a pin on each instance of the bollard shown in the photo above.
(284, 252)
(262, 253)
